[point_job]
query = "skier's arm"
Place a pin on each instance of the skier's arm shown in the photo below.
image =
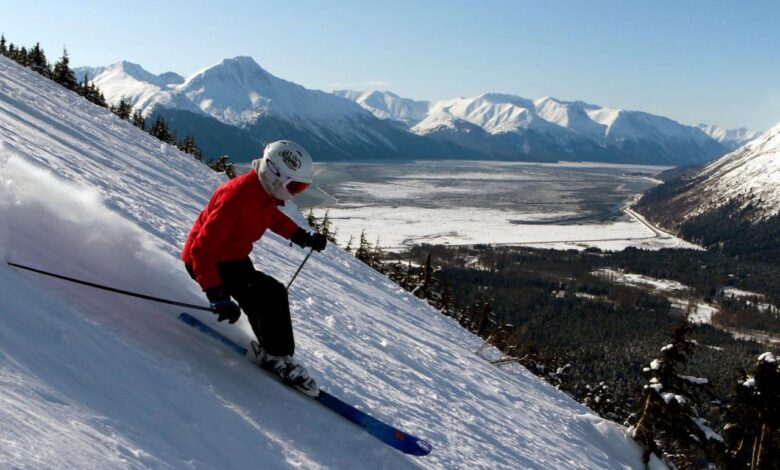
(282, 225)
(214, 232)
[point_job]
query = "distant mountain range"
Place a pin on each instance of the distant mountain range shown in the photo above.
(235, 107)
(731, 204)
(732, 138)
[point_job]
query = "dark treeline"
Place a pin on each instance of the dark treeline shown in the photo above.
(600, 340)
(60, 72)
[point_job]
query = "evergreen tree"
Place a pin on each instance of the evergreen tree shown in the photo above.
(123, 109)
(62, 73)
(348, 248)
(669, 423)
(409, 278)
(187, 145)
(446, 303)
(752, 429)
(83, 88)
(426, 285)
(138, 120)
(325, 227)
(3, 46)
(21, 56)
(376, 257)
(312, 221)
(160, 130)
(94, 95)
(100, 99)
(37, 61)
(363, 251)
(484, 320)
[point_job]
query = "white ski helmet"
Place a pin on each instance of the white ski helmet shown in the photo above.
(285, 169)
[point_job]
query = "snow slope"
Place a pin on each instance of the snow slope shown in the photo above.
(749, 175)
(93, 380)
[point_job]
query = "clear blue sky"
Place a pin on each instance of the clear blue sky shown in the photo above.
(694, 61)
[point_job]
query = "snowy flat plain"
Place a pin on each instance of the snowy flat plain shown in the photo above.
(94, 380)
(561, 205)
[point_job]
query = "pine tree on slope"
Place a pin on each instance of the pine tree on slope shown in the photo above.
(752, 430)
(37, 61)
(363, 251)
(669, 423)
(312, 221)
(138, 120)
(62, 73)
(123, 109)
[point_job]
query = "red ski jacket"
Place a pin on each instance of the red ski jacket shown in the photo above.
(237, 215)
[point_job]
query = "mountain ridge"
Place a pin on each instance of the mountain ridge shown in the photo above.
(732, 203)
(347, 124)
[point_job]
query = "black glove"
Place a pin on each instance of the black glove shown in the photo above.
(222, 306)
(302, 238)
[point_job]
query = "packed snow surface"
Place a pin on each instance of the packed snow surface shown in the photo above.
(93, 380)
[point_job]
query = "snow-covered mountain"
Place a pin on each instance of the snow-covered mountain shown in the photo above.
(747, 176)
(568, 129)
(131, 81)
(734, 200)
(89, 379)
(732, 138)
(546, 128)
(387, 105)
(236, 107)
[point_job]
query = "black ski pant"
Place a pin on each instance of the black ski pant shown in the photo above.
(264, 301)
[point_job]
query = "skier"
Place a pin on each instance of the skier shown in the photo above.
(216, 254)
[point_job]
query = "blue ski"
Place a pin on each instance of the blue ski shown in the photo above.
(391, 436)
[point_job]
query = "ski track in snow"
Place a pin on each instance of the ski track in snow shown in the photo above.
(94, 380)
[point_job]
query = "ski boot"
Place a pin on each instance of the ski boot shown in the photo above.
(288, 371)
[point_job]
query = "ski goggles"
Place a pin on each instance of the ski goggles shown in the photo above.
(296, 187)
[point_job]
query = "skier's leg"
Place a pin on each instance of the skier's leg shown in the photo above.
(273, 315)
(264, 301)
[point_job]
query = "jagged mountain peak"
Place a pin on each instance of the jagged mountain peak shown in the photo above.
(137, 72)
(238, 91)
(239, 69)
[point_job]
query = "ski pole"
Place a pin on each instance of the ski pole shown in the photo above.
(110, 289)
(299, 268)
